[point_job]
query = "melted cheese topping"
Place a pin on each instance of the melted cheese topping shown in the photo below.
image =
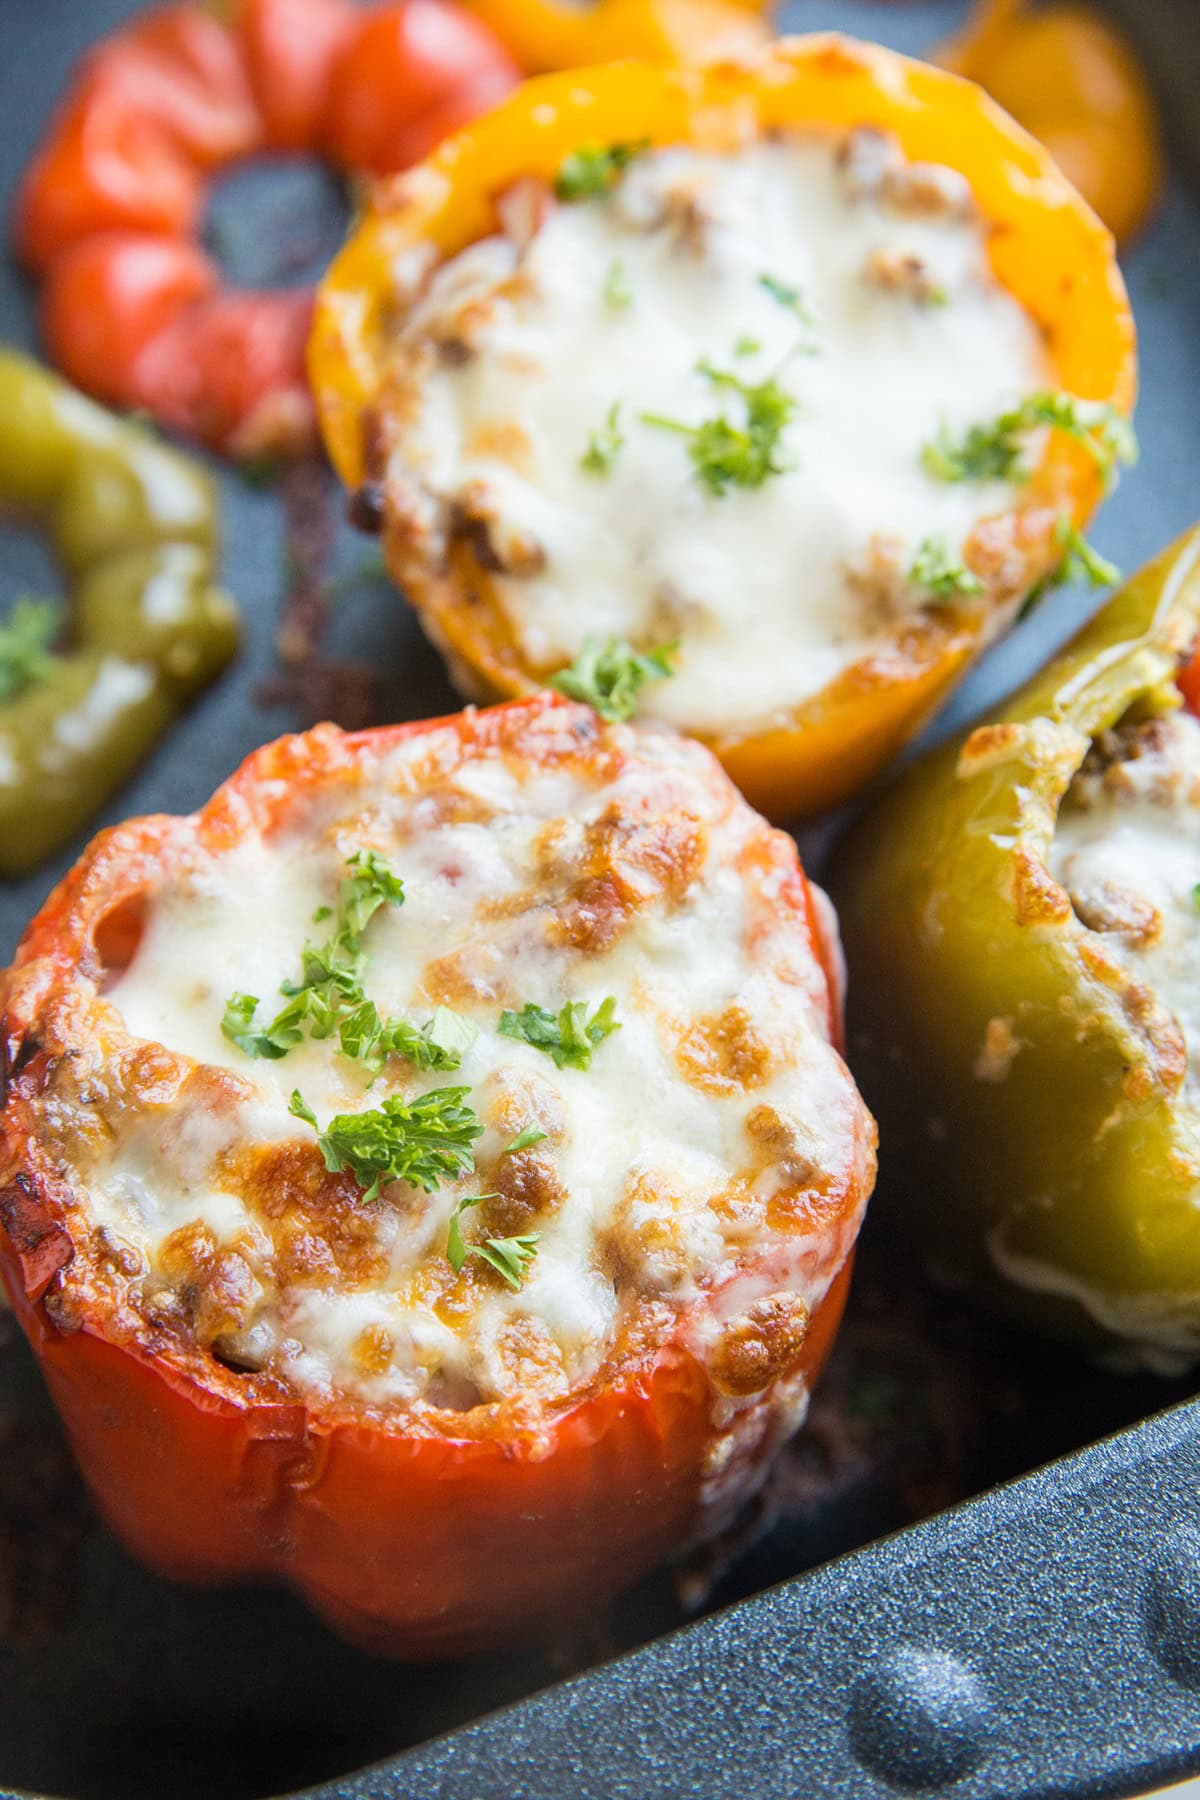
(1127, 850)
(687, 1165)
(522, 344)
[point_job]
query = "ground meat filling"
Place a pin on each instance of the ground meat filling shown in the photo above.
(1127, 850)
(643, 409)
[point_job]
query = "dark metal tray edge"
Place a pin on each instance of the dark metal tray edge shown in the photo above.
(1043, 1638)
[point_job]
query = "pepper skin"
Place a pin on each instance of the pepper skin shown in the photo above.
(418, 1536)
(133, 526)
(1048, 250)
(559, 34)
(1071, 78)
(290, 47)
(109, 212)
(407, 77)
(1030, 1110)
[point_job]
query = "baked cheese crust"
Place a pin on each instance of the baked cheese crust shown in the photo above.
(699, 1181)
(544, 389)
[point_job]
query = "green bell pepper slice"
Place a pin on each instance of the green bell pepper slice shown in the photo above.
(1037, 1147)
(133, 527)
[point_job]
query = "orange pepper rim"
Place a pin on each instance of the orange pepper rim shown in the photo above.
(100, 903)
(1047, 249)
(133, 310)
(1071, 76)
(562, 34)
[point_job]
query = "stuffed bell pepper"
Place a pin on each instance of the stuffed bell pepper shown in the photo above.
(763, 391)
(430, 1177)
(1022, 913)
(133, 528)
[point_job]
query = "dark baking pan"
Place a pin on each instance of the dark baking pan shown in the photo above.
(1040, 1639)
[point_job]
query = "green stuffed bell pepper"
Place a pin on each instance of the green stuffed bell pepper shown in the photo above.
(1021, 917)
(132, 525)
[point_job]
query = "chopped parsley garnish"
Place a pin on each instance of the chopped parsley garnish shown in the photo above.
(329, 996)
(983, 453)
(528, 1135)
(1105, 433)
(425, 1141)
(747, 346)
(439, 1044)
(370, 886)
(617, 292)
(941, 574)
(724, 454)
(611, 676)
(25, 639)
(310, 1008)
(605, 444)
(1080, 561)
(237, 1025)
(789, 297)
(593, 169)
(569, 1036)
(993, 451)
(509, 1257)
(361, 1035)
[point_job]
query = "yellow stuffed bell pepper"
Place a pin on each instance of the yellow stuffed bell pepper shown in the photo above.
(668, 386)
(1021, 914)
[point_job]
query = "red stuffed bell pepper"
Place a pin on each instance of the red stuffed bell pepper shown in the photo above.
(110, 211)
(430, 1177)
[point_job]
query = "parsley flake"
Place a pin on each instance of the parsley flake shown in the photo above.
(569, 1036)
(605, 444)
(1080, 561)
(309, 1010)
(510, 1257)
(25, 639)
(239, 1027)
(591, 171)
(528, 1135)
(457, 1248)
(425, 1141)
(940, 573)
(993, 451)
(441, 1043)
(610, 677)
(329, 996)
(617, 292)
(725, 455)
(983, 453)
(370, 886)
(788, 297)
